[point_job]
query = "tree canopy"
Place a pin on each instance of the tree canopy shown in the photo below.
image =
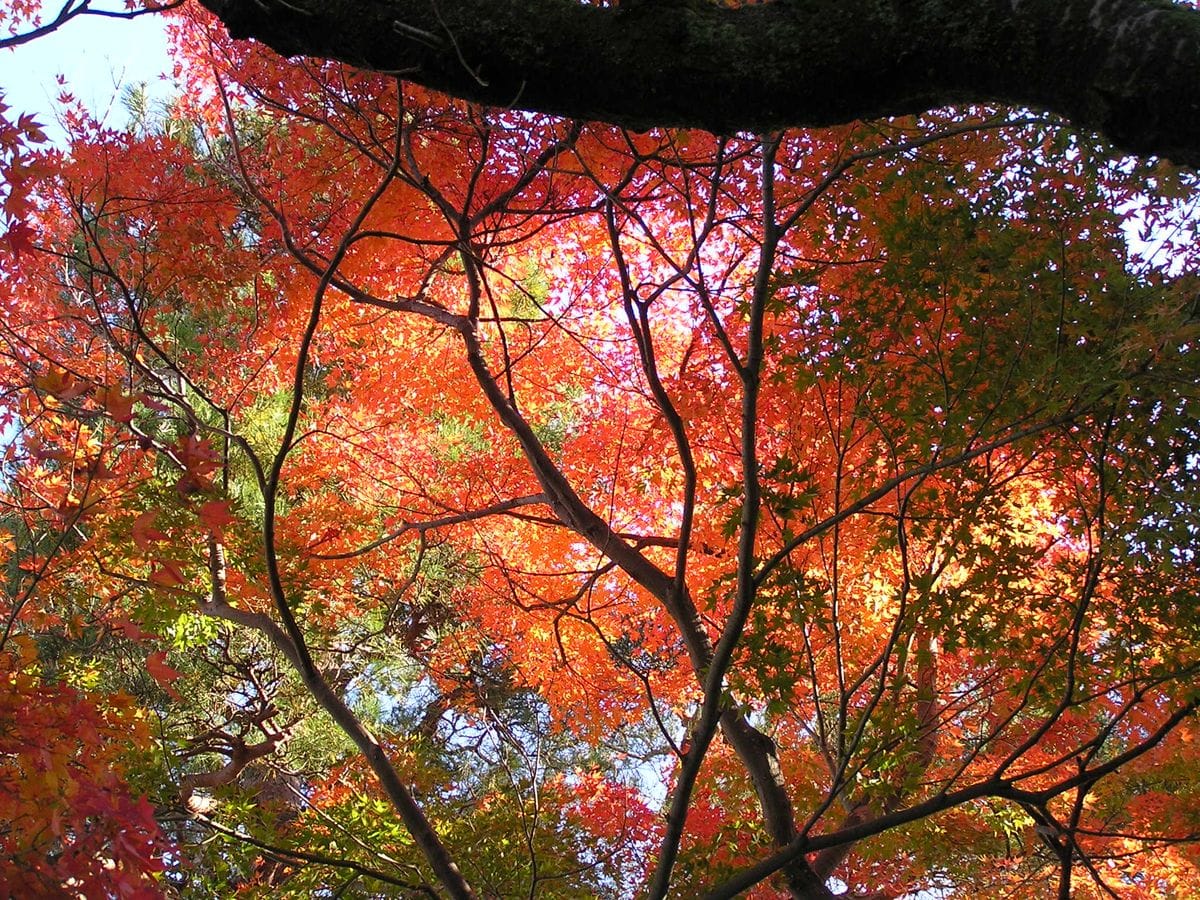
(409, 496)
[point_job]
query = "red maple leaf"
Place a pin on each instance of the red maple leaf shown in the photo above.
(216, 514)
(19, 238)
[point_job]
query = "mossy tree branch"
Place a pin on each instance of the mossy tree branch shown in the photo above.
(1127, 68)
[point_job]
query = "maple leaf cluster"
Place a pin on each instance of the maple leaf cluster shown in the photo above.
(480, 499)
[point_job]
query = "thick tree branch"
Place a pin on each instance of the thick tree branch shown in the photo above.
(240, 755)
(1128, 68)
(996, 786)
(72, 8)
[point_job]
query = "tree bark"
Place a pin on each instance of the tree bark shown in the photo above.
(1127, 68)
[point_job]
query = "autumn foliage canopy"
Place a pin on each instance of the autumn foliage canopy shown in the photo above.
(406, 498)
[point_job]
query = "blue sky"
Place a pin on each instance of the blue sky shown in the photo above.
(98, 56)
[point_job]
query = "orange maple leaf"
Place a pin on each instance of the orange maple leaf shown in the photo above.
(60, 383)
(116, 404)
(162, 673)
(168, 573)
(144, 532)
